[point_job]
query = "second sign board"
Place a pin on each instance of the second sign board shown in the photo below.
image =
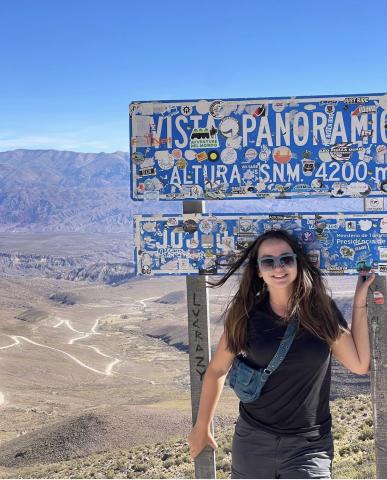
(195, 243)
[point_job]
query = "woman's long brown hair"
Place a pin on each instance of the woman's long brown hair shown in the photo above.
(309, 302)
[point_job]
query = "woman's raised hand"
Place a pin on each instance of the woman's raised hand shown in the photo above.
(198, 439)
(362, 286)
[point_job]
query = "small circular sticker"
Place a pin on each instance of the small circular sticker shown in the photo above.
(213, 156)
(317, 183)
(165, 160)
(177, 153)
(339, 189)
(282, 154)
(228, 156)
(181, 164)
(190, 155)
(216, 109)
(190, 226)
(324, 155)
(229, 127)
(202, 107)
(251, 154)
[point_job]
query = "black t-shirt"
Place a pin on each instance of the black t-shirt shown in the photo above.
(295, 398)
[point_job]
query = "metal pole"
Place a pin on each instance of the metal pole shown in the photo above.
(199, 349)
(377, 314)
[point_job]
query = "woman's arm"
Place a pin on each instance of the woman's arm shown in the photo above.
(353, 349)
(213, 383)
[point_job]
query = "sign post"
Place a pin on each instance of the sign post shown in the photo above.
(377, 315)
(199, 349)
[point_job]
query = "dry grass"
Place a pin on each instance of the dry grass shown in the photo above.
(352, 431)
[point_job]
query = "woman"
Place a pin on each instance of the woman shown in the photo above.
(286, 432)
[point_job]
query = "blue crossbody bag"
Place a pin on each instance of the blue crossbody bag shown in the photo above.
(247, 382)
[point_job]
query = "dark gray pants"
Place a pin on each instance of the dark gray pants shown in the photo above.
(258, 454)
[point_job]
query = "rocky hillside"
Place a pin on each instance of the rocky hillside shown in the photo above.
(105, 258)
(67, 268)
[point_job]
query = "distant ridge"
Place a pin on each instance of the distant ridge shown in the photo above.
(63, 191)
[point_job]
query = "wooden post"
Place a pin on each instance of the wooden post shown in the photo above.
(199, 348)
(377, 315)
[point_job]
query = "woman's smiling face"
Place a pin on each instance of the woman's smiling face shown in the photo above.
(279, 276)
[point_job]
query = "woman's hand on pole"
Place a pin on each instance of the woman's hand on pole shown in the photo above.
(364, 281)
(198, 439)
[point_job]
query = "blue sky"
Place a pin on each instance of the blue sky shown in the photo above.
(69, 68)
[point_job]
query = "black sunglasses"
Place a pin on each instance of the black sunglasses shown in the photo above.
(269, 262)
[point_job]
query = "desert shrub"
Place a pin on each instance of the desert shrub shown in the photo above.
(366, 434)
(139, 467)
(168, 463)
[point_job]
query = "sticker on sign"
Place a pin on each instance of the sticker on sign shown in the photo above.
(374, 204)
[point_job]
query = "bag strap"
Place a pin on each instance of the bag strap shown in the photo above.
(282, 350)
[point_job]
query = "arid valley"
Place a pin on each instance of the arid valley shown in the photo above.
(95, 362)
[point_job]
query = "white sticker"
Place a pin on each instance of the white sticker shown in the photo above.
(190, 155)
(365, 225)
(165, 160)
(374, 204)
(381, 154)
(202, 107)
(251, 154)
(228, 156)
(234, 142)
(229, 127)
(324, 155)
(358, 189)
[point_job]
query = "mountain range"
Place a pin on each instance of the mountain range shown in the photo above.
(62, 191)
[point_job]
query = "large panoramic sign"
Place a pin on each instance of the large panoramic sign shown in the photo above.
(197, 243)
(334, 146)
